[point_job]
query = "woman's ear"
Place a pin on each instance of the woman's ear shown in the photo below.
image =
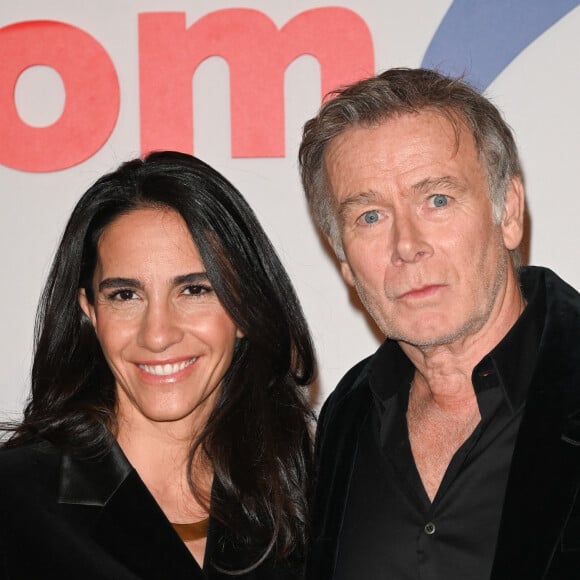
(87, 307)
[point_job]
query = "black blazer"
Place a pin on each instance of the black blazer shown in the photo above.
(81, 520)
(539, 536)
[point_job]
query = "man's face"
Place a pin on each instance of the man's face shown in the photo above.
(415, 218)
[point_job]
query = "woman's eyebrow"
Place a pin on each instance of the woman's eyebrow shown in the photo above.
(192, 278)
(118, 282)
(110, 283)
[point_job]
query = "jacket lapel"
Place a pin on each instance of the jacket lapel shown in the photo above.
(545, 473)
(543, 484)
(126, 521)
(336, 453)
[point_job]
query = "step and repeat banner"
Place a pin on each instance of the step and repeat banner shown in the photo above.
(86, 85)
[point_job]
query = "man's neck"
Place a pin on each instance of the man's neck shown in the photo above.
(443, 371)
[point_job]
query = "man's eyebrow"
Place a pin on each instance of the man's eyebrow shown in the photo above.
(111, 283)
(446, 182)
(355, 200)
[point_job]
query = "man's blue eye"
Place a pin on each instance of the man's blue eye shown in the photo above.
(371, 216)
(439, 200)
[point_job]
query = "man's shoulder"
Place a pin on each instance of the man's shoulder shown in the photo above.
(562, 305)
(342, 414)
(349, 399)
(557, 290)
(557, 367)
(562, 294)
(348, 385)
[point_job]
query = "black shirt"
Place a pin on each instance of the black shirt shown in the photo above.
(391, 530)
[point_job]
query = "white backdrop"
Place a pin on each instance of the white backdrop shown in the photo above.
(538, 91)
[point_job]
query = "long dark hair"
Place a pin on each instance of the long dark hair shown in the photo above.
(258, 435)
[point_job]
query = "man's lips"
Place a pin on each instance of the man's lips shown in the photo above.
(421, 292)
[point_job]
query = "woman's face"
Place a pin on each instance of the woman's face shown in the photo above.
(163, 331)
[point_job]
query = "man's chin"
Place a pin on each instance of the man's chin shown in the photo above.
(434, 335)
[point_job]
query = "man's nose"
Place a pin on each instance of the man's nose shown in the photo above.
(410, 243)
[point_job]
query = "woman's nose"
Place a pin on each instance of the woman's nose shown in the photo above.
(160, 327)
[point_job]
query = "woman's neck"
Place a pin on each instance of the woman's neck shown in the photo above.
(160, 455)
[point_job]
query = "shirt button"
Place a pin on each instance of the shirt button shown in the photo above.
(430, 528)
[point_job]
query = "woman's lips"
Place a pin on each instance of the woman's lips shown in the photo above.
(166, 371)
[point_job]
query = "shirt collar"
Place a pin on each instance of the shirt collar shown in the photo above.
(510, 364)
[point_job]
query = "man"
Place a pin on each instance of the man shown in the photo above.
(454, 451)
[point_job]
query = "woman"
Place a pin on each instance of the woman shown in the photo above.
(166, 434)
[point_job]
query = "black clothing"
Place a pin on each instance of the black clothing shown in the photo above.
(372, 518)
(391, 529)
(66, 518)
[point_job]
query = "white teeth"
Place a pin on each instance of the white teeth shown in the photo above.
(167, 369)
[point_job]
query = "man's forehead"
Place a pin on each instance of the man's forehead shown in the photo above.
(360, 147)
(444, 120)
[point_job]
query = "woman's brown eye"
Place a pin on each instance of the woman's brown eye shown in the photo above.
(123, 295)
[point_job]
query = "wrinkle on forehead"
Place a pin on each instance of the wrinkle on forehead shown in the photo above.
(445, 126)
(451, 118)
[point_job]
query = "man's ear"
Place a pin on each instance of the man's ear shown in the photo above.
(347, 273)
(512, 222)
(87, 307)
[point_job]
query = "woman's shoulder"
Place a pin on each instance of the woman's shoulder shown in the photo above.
(35, 450)
(31, 465)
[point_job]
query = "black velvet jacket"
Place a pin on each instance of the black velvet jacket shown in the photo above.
(539, 536)
(65, 518)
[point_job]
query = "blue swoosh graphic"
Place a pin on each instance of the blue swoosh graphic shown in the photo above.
(478, 39)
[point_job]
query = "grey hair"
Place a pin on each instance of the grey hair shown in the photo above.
(399, 91)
